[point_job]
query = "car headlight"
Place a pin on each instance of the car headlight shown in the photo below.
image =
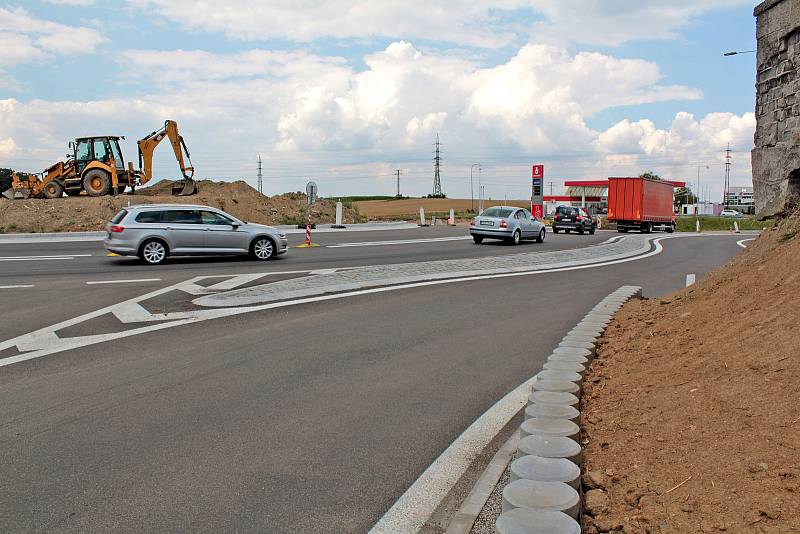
(282, 236)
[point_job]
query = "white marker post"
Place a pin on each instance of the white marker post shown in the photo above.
(698, 226)
(736, 226)
(452, 220)
(422, 216)
(338, 216)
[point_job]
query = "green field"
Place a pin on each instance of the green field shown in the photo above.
(710, 222)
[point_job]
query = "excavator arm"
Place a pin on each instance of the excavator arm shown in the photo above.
(147, 146)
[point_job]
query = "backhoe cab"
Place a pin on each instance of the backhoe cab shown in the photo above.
(96, 166)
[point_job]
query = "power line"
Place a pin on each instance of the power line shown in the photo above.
(260, 189)
(398, 182)
(726, 192)
(437, 179)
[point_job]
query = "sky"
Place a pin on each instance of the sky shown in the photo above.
(344, 93)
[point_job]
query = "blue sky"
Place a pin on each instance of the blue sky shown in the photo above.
(344, 92)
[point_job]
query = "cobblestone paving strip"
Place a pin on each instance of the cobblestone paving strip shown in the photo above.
(403, 273)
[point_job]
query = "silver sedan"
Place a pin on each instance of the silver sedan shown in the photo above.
(507, 223)
(155, 231)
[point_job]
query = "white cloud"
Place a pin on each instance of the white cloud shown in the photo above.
(321, 117)
(7, 147)
(686, 138)
(613, 22)
(25, 38)
(482, 23)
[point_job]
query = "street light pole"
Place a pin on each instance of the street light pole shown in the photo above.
(480, 190)
(472, 188)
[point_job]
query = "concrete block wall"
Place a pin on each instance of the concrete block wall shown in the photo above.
(776, 156)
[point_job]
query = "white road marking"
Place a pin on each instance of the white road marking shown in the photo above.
(742, 242)
(419, 501)
(44, 258)
(690, 279)
(19, 286)
(99, 282)
(399, 242)
(43, 342)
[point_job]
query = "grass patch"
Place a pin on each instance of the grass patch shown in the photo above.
(710, 222)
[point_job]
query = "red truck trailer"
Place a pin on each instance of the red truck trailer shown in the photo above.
(640, 204)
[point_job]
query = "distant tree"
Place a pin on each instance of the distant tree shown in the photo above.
(431, 195)
(650, 175)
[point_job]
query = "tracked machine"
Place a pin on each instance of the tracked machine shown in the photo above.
(95, 167)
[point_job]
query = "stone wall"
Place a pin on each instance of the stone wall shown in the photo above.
(776, 156)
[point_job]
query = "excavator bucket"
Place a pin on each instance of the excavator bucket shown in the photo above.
(18, 194)
(184, 188)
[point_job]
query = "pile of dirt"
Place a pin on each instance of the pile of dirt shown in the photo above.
(692, 410)
(73, 214)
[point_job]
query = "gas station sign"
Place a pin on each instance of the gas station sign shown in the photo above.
(537, 191)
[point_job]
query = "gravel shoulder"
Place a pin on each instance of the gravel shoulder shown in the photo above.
(690, 418)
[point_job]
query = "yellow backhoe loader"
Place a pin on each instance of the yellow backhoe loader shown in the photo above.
(96, 168)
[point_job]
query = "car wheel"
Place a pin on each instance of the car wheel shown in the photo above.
(581, 230)
(622, 230)
(153, 252)
(478, 239)
(516, 237)
(555, 230)
(592, 229)
(567, 231)
(540, 238)
(646, 228)
(670, 228)
(262, 249)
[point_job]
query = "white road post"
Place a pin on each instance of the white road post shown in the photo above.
(338, 214)
(421, 216)
(452, 221)
(736, 226)
(698, 226)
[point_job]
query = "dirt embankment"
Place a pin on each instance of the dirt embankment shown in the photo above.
(692, 408)
(72, 214)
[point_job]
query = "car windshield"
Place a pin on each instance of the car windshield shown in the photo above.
(497, 212)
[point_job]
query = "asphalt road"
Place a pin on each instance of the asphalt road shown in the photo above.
(60, 288)
(309, 418)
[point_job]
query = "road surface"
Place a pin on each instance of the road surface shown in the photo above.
(309, 417)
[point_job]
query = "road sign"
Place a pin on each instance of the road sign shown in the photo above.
(537, 191)
(311, 192)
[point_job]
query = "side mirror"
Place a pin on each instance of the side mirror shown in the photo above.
(235, 226)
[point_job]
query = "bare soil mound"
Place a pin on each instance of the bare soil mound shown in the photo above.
(692, 409)
(71, 214)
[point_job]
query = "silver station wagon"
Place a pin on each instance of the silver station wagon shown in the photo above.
(156, 231)
(507, 223)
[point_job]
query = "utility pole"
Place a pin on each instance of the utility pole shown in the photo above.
(437, 160)
(471, 188)
(259, 175)
(727, 177)
(398, 182)
(551, 188)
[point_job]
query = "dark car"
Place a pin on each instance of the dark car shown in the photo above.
(569, 218)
